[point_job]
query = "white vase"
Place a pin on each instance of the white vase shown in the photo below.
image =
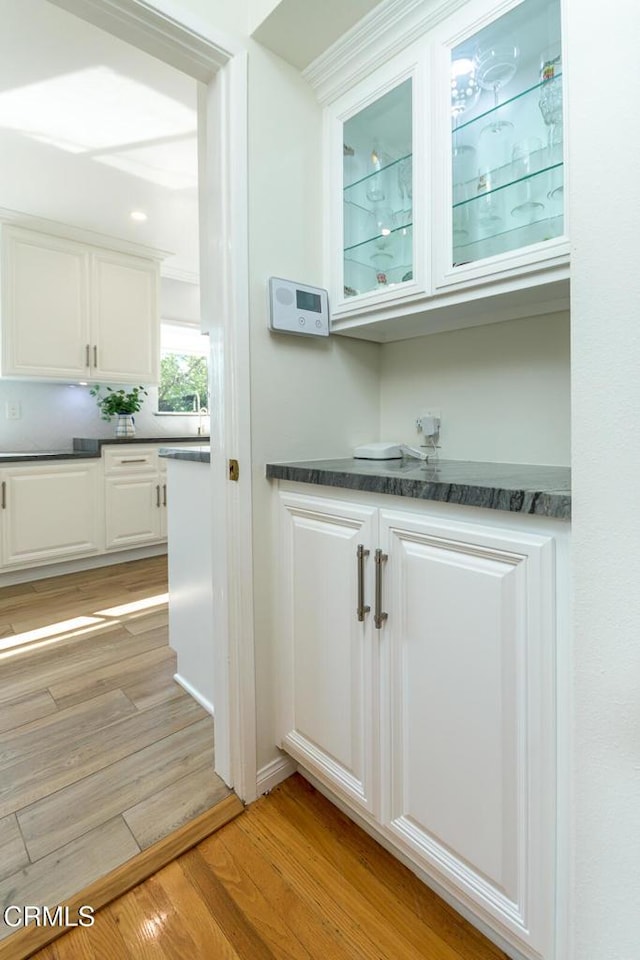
(125, 426)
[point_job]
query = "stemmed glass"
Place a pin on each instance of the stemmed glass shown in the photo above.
(550, 104)
(496, 65)
(465, 91)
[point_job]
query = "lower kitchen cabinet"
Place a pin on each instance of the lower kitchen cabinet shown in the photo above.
(433, 715)
(50, 512)
(329, 704)
(135, 497)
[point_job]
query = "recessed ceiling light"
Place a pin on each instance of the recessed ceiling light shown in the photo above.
(139, 215)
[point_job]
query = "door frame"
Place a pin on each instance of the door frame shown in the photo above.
(185, 42)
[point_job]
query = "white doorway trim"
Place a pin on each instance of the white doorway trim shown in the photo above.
(165, 31)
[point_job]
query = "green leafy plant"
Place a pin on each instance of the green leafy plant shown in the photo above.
(115, 402)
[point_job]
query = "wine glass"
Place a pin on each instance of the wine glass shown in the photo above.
(496, 65)
(550, 101)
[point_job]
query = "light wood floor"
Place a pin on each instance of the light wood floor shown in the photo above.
(101, 752)
(290, 879)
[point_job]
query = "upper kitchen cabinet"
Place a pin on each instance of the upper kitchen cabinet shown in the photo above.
(500, 180)
(445, 168)
(378, 174)
(72, 310)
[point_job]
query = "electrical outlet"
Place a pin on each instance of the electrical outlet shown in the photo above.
(12, 410)
(434, 413)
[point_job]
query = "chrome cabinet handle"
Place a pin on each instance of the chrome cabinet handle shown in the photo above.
(361, 553)
(379, 616)
(88, 356)
(133, 460)
(4, 494)
(157, 495)
(164, 494)
(95, 356)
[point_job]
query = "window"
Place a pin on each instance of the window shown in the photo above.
(184, 369)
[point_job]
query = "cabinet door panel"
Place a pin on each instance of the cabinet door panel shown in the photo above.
(45, 306)
(468, 647)
(125, 319)
(133, 507)
(51, 513)
(329, 712)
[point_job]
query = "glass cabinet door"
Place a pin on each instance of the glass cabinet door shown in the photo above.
(378, 247)
(507, 134)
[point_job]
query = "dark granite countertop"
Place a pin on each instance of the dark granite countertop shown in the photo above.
(198, 454)
(515, 487)
(84, 448)
(93, 445)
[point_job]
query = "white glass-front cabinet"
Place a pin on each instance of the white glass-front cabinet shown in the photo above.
(500, 182)
(378, 227)
(446, 173)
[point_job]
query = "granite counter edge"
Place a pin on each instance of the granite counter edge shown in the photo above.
(533, 502)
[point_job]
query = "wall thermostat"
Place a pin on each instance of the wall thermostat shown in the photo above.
(298, 308)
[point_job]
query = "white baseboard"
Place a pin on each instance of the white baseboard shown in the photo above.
(208, 706)
(274, 773)
(57, 568)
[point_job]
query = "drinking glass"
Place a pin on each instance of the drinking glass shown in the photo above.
(527, 161)
(496, 65)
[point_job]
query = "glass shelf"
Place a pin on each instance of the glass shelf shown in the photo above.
(510, 238)
(384, 170)
(383, 239)
(379, 262)
(520, 211)
(507, 105)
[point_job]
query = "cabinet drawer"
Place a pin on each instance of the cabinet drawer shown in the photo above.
(130, 459)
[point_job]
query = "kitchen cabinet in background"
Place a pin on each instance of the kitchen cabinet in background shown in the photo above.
(72, 310)
(135, 496)
(52, 511)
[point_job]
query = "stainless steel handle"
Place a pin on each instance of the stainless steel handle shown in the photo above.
(95, 356)
(379, 616)
(133, 459)
(4, 494)
(88, 356)
(164, 494)
(362, 607)
(157, 495)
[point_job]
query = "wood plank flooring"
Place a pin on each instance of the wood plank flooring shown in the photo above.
(102, 754)
(290, 879)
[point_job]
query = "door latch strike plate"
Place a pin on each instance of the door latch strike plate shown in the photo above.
(234, 470)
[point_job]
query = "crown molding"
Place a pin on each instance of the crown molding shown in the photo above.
(386, 31)
(18, 218)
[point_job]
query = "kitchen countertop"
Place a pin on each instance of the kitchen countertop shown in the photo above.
(514, 487)
(84, 448)
(199, 454)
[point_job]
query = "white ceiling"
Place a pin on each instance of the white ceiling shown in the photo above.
(92, 128)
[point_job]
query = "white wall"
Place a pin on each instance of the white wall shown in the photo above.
(605, 303)
(54, 413)
(309, 399)
(503, 390)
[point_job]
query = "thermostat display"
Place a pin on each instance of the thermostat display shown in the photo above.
(298, 308)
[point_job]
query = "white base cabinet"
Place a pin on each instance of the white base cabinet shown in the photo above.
(434, 714)
(50, 512)
(135, 497)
